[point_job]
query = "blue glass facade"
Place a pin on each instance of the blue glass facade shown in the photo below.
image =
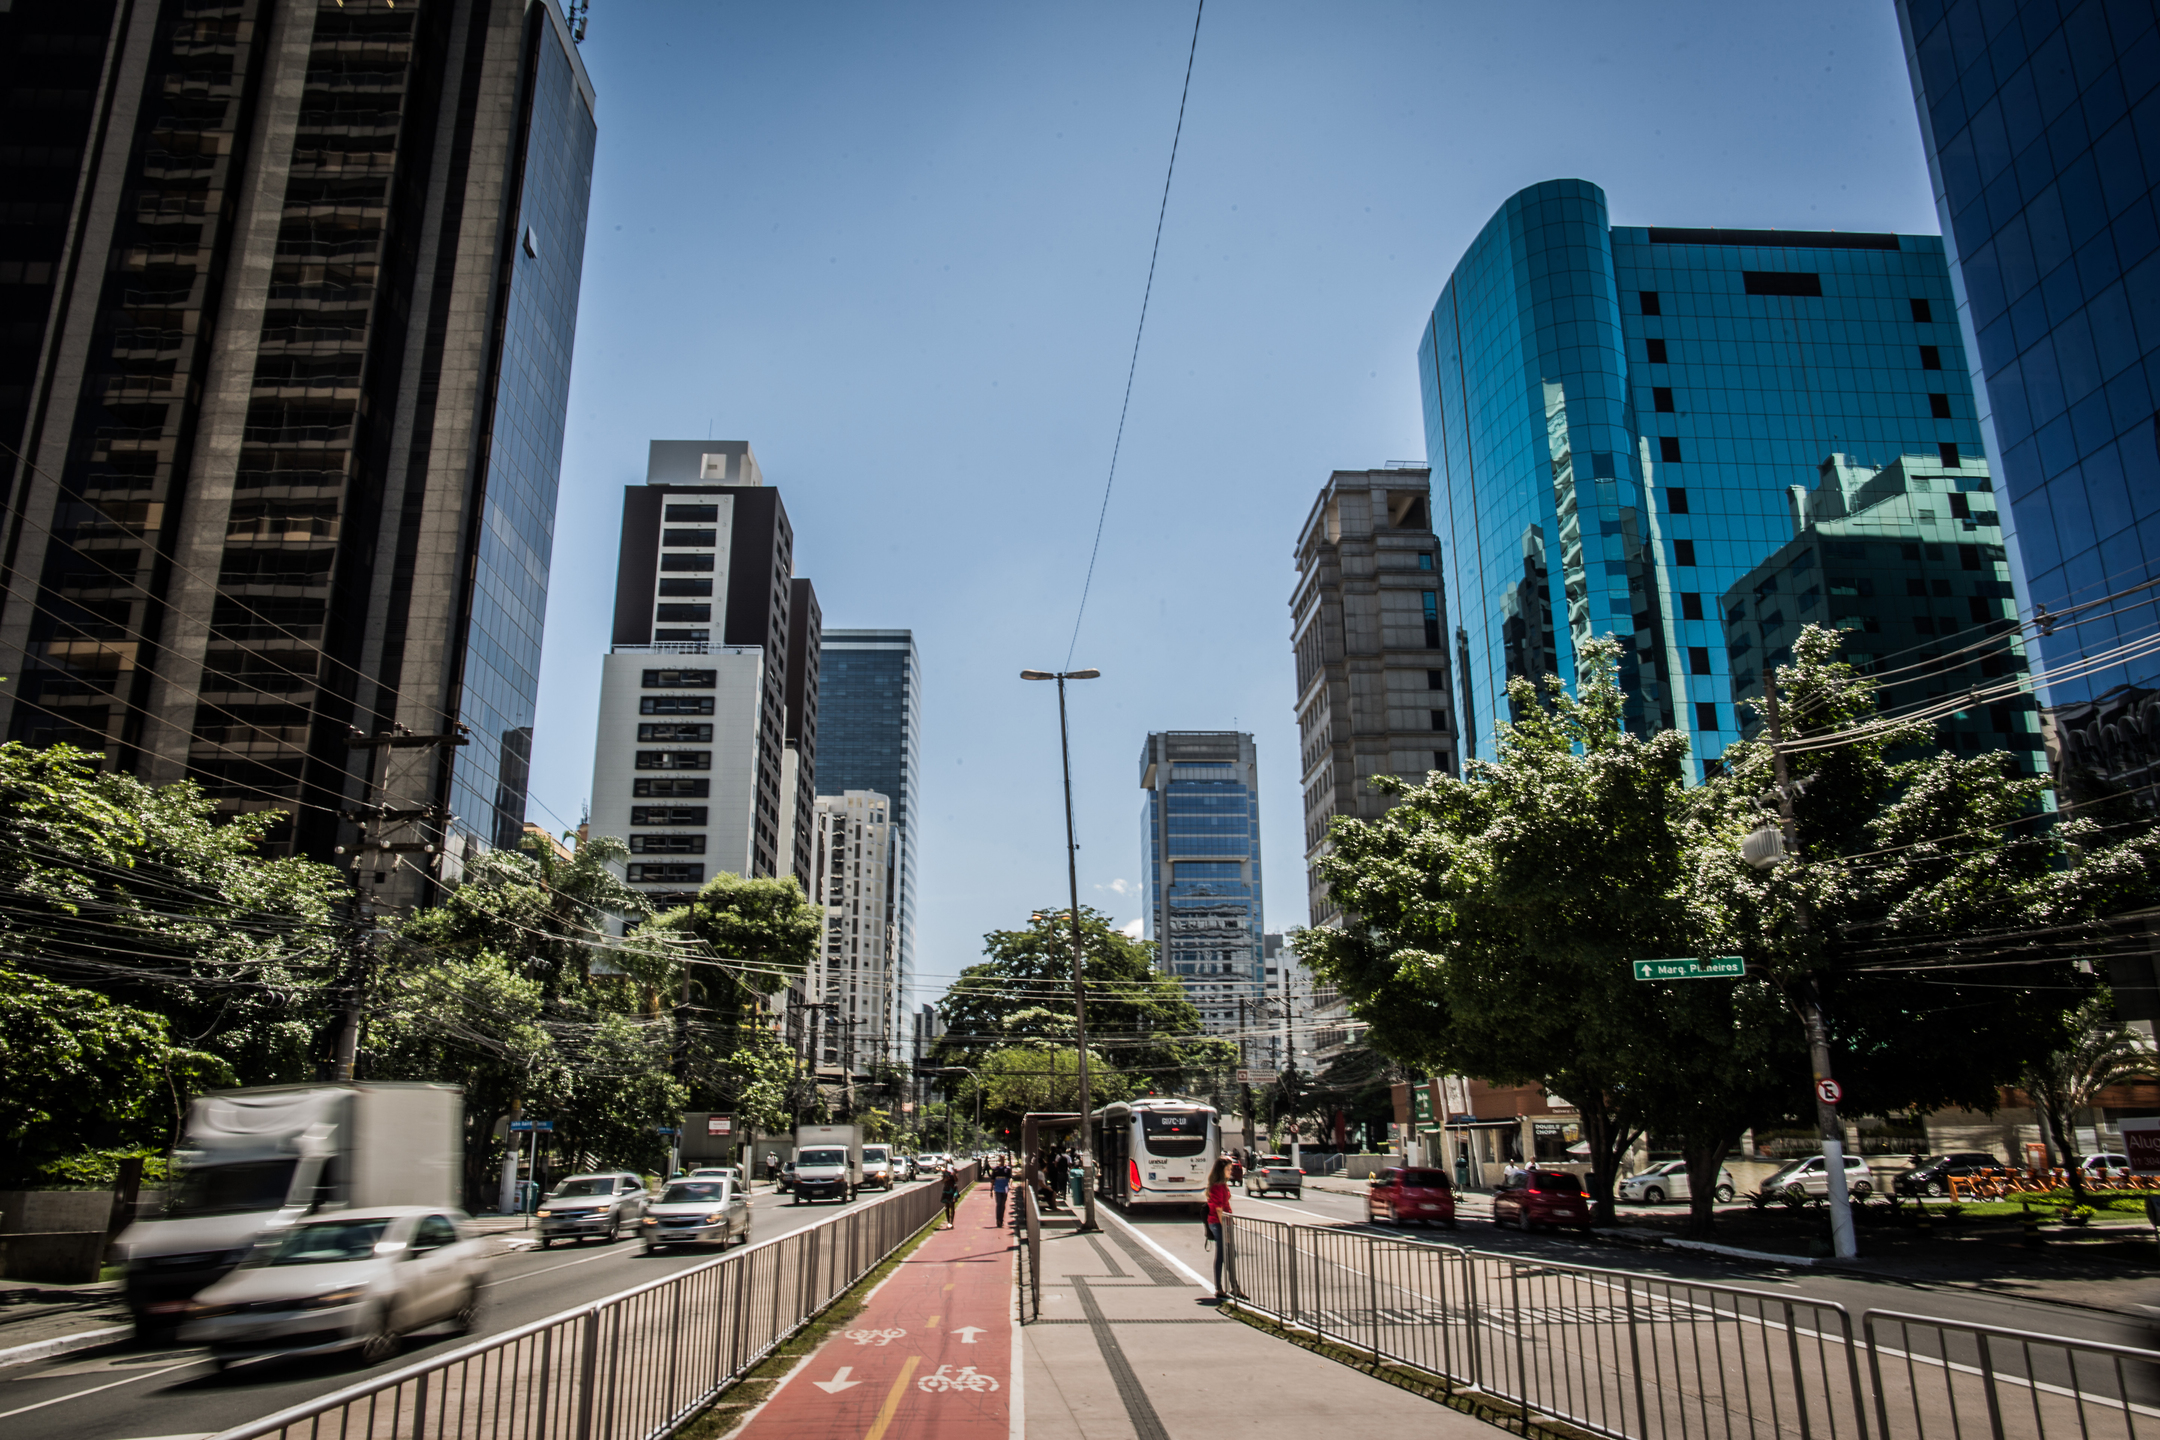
(1614, 417)
(2042, 127)
(1201, 839)
(869, 737)
(501, 672)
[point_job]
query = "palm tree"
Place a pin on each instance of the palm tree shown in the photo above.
(2102, 1052)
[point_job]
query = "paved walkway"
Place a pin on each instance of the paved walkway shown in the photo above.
(931, 1352)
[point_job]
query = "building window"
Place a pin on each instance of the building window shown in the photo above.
(690, 539)
(1657, 351)
(1931, 357)
(668, 815)
(1439, 759)
(676, 874)
(1939, 406)
(1921, 314)
(675, 705)
(1432, 619)
(674, 759)
(681, 679)
(1675, 497)
(1650, 302)
(662, 789)
(1782, 282)
(675, 730)
(1950, 459)
(1661, 399)
(1439, 719)
(1683, 552)
(1706, 716)
(1698, 660)
(692, 514)
(1690, 605)
(1424, 560)
(687, 561)
(688, 587)
(681, 613)
(1436, 680)
(667, 844)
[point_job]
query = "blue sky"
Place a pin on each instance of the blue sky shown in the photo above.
(900, 250)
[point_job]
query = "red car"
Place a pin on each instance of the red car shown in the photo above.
(1401, 1196)
(1534, 1198)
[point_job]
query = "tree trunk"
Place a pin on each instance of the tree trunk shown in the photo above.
(1609, 1138)
(1705, 1158)
(2057, 1121)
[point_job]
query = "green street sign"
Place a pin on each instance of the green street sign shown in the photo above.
(1722, 966)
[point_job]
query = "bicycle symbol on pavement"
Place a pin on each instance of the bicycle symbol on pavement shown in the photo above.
(874, 1337)
(964, 1378)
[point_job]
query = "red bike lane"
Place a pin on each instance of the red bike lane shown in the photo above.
(930, 1356)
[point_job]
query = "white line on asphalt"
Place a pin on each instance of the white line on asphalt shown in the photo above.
(1190, 1273)
(79, 1394)
(567, 1264)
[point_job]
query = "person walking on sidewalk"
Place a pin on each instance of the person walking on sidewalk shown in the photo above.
(1000, 1183)
(1218, 1229)
(952, 1194)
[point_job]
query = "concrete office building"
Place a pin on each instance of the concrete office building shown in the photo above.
(2042, 129)
(289, 295)
(1200, 842)
(690, 762)
(1903, 562)
(1369, 630)
(1613, 417)
(855, 980)
(870, 738)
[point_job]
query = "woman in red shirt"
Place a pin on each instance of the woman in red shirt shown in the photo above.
(1218, 1209)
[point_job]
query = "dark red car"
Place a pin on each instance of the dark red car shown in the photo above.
(1531, 1199)
(1405, 1196)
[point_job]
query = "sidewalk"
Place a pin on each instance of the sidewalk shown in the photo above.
(1103, 1362)
(932, 1351)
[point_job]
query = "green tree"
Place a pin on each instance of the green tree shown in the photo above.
(1018, 1080)
(2102, 1051)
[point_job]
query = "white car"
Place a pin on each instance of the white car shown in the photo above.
(1810, 1177)
(2100, 1164)
(716, 1172)
(1669, 1182)
(697, 1211)
(355, 1280)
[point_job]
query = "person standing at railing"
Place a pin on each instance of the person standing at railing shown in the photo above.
(1000, 1184)
(1218, 1229)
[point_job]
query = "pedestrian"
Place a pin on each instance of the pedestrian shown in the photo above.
(952, 1194)
(1060, 1173)
(772, 1166)
(1218, 1229)
(1000, 1183)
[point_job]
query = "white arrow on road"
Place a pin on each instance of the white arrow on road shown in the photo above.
(838, 1382)
(967, 1333)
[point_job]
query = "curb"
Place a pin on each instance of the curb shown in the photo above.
(1707, 1248)
(63, 1344)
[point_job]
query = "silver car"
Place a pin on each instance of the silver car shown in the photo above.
(1810, 1177)
(355, 1280)
(697, 1212)
(1669, 1182)
(602, 1205)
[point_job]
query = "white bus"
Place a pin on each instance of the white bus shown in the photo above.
(1156, 1151)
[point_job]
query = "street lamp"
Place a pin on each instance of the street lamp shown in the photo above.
(1072, 877)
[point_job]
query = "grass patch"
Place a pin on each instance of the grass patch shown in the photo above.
(1423, 1383)
(757, 1385)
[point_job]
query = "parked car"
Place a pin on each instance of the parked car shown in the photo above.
(603, 1204)
(1529, 1199)
(1400, 1196)
(697, 1212)
(1271, 1174)
(716, 1172)
(1669, 1181)
(1933, 1175)
(357, 1280)
(1807, 1176)
(786, 1182)
(2101, 1164)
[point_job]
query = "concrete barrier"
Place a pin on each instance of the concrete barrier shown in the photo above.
(53, 1257)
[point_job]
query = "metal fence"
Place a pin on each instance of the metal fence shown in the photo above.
(1644, 1357)
(630, 1367)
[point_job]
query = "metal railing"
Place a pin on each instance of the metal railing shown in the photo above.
(1647, 1357)
(1030, 1254)
(632, 1366)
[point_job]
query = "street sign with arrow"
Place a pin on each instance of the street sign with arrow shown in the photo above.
(1719, 967)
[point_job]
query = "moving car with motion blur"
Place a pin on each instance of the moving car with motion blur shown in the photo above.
(1669, 1181)
(1533, 1199)
(356, 1280)
(697, 1212)
(1809, 1176)
(1404, 1195)
(1273, 1174)
(585, 1206)
(1932, 1176)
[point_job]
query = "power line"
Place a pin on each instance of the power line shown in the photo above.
(1133, 367)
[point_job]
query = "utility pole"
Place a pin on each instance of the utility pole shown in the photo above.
(1842, 1241)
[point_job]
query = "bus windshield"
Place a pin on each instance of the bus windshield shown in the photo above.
(1174, 1133)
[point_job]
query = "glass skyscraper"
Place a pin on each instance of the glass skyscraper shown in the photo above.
(869, 737)
(2042, 127)
(1614, 418)
(1201, 842)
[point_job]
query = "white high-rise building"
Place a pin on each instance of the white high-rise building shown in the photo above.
(854, 983)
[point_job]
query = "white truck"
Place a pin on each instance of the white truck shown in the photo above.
(877, 1166)
(828, 1162)
(255, 1160)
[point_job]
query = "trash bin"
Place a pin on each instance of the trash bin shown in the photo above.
(1076, 1186)
(1462, 1171)
(528, 1197)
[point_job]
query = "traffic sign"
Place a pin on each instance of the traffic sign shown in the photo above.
(1720, 967)
(1829, 1091)
(532, 1124)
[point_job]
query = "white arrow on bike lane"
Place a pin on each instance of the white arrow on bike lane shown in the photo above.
(967, 1333)
(838, 1382)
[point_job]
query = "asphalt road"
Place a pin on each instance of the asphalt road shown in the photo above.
(1180, 1233)
(124, 1393)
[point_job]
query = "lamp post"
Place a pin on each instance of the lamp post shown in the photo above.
(948, 1071)
(1072, 877)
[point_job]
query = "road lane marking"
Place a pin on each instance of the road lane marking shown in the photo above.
(892, 1398)
(79, 1394)
(1190, 1273)
(839, 1381)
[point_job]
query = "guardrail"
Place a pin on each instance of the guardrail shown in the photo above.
(630, 1367)
(1030, 1254)
(1646, 1357)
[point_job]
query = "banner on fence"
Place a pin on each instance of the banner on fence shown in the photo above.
(2141, 1142)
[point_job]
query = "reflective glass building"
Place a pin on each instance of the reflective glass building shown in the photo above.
(869, 737)
(1201, 842)
(1614, 416)
(2042, 127)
